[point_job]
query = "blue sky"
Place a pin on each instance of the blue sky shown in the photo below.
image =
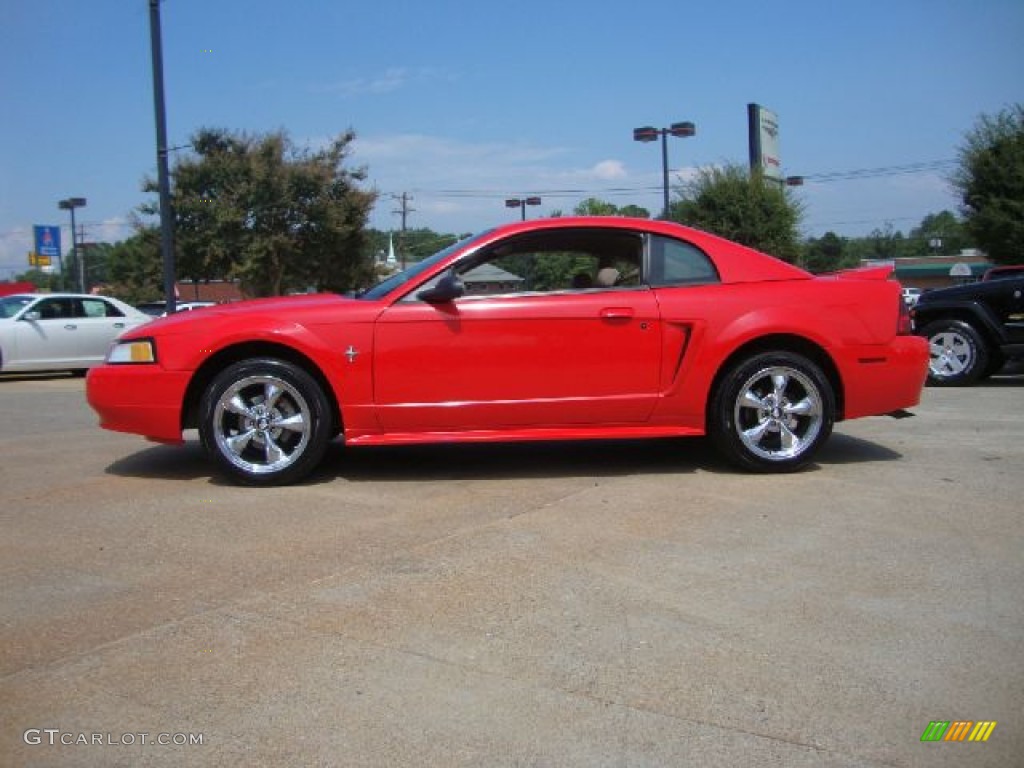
(499, 100)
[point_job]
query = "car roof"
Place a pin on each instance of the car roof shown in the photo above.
(735, 262)
(58, 295)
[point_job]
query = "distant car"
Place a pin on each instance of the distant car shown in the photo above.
(60, 331)
(188, 306)
(911, 295)
(496, 338)
(159, 308)
(973, 330)
(153, 308)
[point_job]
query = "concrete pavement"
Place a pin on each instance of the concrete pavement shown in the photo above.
(584, 604)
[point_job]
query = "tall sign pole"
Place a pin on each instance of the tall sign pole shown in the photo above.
(163, 175)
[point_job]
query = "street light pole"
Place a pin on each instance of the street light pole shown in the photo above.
(163, 175)
(650, 133)
(70, 204)
(521, 203)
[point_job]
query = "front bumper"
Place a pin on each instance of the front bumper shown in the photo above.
(140, 399)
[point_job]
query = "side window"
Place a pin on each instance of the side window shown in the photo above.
(675, 262)
(55, 309)
(99, 308)
(556, 260)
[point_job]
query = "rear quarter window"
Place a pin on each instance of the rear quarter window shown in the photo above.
(676, 262)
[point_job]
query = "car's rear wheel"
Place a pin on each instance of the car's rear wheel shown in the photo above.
(265, 421)
(772, 412)
(958, 353)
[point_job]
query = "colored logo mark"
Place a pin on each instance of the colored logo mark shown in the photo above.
(958, 730)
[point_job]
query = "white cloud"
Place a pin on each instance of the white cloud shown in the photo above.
(388, 81)
(609, 170)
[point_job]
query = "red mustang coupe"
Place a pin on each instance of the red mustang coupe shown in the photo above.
(564, 328)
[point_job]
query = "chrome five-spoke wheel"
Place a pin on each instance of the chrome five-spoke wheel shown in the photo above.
(772, 412)
(779, 413)
(262, 424)
(265, 421)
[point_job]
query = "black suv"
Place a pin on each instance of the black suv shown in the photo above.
(973, 329)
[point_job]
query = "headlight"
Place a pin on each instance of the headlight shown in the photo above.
(135, 351)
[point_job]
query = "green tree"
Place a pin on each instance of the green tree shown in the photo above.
(592, 206)
(44, 281)
(939, 232)
(634, 211)
(277, 217)
(94, 257)
(886, 243)
(413, 245)
(134, 268)
(423, 242)
(827, 254)
(990, 180)
(743, 207)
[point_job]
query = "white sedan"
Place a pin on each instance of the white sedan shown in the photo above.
(60, 331)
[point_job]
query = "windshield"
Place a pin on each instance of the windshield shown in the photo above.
(385, 287)
(12, 305)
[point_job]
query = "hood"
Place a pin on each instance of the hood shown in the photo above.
(282, 306)
(953, 293)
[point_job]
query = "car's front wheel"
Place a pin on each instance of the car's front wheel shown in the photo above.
(958, 353)
(265, 421)
(772, 412)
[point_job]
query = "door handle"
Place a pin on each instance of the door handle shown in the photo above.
(119, 325)
(70, 327)
(616, 313)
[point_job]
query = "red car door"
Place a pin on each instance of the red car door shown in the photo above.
(484, 362)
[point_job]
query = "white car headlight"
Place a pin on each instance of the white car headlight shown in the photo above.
(135, 351)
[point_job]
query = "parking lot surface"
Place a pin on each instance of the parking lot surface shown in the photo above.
(583, 604)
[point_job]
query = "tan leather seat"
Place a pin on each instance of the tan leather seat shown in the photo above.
(606, 277)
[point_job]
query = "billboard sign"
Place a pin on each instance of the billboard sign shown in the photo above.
(47, 240)
(763, 128)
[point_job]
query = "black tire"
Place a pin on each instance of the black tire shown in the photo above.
(772, 412)
(265, 421)
(959, 355)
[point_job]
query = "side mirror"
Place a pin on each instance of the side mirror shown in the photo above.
(32, 316)
(447, 289)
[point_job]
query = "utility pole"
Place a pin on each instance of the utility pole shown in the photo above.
(404, 199)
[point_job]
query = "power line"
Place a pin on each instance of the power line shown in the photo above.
(888, 170)
(929, 166)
